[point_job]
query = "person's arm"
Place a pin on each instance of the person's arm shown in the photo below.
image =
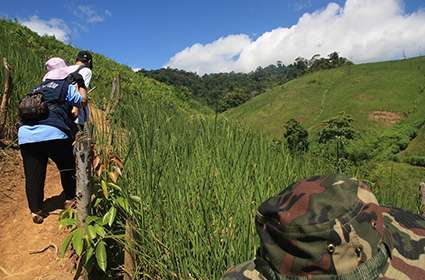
(82, 89)
(77, 98)
(83, 93)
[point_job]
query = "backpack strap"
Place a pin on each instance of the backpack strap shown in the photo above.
(79, 68)
(77, 78)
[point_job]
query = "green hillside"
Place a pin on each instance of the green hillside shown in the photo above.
(376, 95)
(387, 103)
(27, 52)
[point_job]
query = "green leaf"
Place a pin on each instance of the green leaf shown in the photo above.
(92, 231)
(115, 186)
(67, 213)
(101, 257)
(88, 254)
(97, 202)
(91, 219)
(105, 218)
(100, 230)
(104, 189)
(113, 212)
(123, 203)
(65, 244)
(117, 236)
(135, 198)
(67, 222)
(77, 241)
(109, 217)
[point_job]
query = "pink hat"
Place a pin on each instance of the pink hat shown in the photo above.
(57, 69)
(55, 63)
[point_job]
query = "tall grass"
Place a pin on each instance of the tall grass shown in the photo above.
(27, 68)
(200, 180)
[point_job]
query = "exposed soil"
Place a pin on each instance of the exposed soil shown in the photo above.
(387, 118)
(19, 235)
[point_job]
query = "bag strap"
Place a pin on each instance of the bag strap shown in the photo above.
(72, 77)
(79, 68)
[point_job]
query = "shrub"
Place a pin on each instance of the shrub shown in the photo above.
(296, 137)
(337, 129)
(415, 160)
(394, 140)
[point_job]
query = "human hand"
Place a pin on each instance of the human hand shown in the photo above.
(75, 111)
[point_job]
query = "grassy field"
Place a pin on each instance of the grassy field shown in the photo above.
(396, 184)
(200, 180)
(360, 90)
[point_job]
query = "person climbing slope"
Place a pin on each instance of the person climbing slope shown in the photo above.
(83, 65)
(45, 132)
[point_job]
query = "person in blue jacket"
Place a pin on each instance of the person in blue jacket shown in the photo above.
(51, 137)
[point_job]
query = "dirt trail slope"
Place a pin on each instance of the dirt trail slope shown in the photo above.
(19, 235)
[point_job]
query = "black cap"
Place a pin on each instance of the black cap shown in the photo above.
(85, 57)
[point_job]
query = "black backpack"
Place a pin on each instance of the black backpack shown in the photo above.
(34, 107)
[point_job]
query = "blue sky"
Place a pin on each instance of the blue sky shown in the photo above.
(151, 34)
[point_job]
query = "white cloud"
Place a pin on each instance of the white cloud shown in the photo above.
(218, 56)
(136, 69)
(90, 15)
(362, 30)
(52, 27)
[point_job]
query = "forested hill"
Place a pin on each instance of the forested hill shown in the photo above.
(376, 95)
(27, 52)
(222, 91)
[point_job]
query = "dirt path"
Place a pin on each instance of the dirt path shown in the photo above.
(19, 235)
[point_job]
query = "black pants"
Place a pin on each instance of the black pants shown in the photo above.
(35, 157)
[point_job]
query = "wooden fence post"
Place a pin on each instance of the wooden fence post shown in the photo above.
(83, 175)
(422, 197)
(83, 172)
(7, 85)
(128, 256)
(115, 95)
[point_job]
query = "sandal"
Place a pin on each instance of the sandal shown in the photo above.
(37, 218)
(70, 203)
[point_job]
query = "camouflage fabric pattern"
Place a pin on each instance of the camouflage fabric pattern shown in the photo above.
(407, 231)
(333, 228)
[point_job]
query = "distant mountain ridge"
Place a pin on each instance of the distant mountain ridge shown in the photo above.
(222, 91)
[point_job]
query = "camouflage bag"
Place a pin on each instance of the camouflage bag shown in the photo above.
(33, 107)
(333, 228)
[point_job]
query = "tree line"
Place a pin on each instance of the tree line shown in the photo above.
(222, 91)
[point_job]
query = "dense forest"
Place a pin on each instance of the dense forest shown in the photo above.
(222, 91)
